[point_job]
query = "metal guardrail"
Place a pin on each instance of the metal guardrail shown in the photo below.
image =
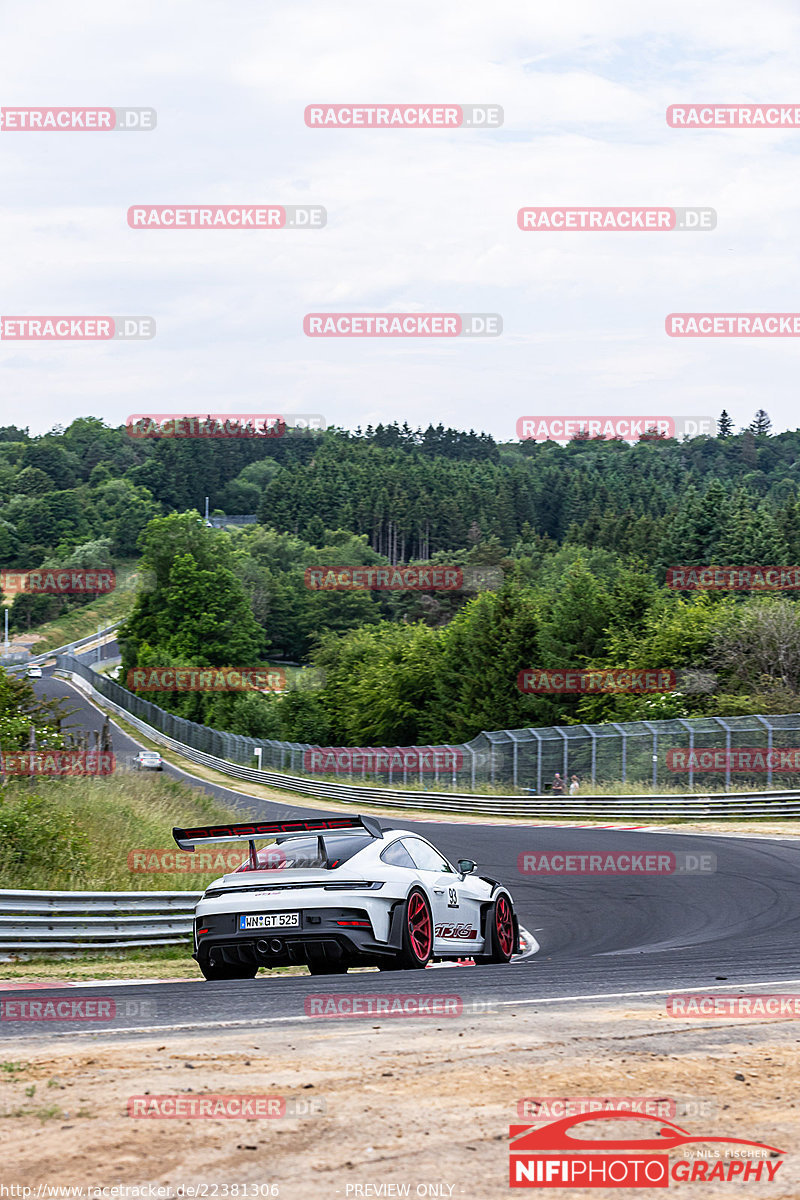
(647, 754)
(37, 921)
(38, 659)
(33, 921)
(617, 808)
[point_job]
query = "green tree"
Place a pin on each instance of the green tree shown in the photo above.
(197, 611)
(760, 424)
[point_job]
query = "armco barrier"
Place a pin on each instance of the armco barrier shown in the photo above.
(522, 759)
(38, 659)
(31, 921)
(617, 808)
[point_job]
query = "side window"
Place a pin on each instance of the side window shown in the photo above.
(396, 855)
(426, 858)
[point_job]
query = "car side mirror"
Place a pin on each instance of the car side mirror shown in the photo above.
(466, 866)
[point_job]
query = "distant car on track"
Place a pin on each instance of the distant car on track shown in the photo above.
(148, 760)
(339, 892)
(34, 672)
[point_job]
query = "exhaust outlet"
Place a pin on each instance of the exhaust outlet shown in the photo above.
(262, 946)
(276, 946)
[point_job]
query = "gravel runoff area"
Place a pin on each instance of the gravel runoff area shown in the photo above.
(389, 1107)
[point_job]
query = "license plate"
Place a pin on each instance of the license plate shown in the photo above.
(269, 920)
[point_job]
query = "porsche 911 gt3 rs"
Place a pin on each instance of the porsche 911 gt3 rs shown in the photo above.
(338, 892)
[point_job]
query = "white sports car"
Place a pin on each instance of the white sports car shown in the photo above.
(339, 892)
(148, 760)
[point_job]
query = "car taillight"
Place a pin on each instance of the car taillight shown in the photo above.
(351, 886)
(356, 924)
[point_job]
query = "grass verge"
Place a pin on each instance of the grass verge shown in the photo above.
(81, 622)
(76, 834)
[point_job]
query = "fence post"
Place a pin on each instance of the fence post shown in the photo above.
(649, 725)
(721, 721)
(593, 736)
(765, 722)
(565, 764)
(690, 731)
(538, 737)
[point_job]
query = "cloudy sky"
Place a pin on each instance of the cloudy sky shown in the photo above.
(417, 220)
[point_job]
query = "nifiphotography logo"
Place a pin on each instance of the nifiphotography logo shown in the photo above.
(554, 1156)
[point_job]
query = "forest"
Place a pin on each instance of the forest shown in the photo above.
(564, 551)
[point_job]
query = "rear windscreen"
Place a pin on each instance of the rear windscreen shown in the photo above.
(326, 853)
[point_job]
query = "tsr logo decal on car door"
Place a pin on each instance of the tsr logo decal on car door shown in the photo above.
(461, 933)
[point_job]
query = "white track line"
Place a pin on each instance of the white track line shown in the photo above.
(256, 1022)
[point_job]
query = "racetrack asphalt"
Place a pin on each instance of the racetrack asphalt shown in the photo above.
(600, 936)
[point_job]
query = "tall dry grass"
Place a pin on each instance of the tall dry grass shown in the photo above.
(76, 834)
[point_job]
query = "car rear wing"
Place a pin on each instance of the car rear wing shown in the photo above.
(187, 838)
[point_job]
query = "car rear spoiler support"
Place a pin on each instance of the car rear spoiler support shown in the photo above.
(188, 838)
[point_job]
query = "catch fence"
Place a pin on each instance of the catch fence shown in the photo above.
(641, 753)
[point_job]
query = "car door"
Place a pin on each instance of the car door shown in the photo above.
(455, 912)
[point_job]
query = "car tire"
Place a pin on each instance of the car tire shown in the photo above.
(417, 945)
(500, 931)
(225, 971)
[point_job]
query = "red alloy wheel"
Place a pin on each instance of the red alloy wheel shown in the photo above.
(504, 924)
(419, 926)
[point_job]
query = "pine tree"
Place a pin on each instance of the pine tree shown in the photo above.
(724, 425)
(760, 424)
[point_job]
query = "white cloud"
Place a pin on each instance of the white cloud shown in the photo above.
(418, 220)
